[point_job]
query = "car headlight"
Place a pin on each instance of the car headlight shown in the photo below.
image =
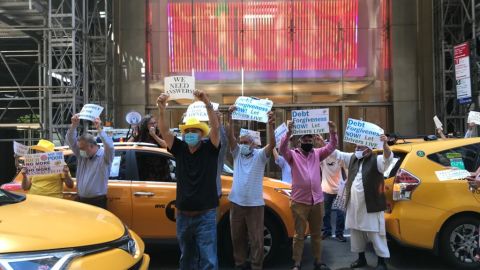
(38, 261)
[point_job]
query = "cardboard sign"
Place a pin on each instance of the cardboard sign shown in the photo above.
(474, 117)
(90, 112)
(20, 149)
(252, 109)
(133, 118)
(310, 121)
(446, 175)
(438, 123)
(254, 134)
(44, 163)
(363, 133)
(280, 131)
(199, 111)
(180, 87)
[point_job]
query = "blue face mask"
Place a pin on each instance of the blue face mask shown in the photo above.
(192, 139)
(245, 149)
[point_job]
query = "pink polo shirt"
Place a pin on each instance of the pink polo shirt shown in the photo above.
(306, 173)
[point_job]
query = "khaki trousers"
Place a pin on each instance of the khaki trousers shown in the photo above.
(246, 224)
(313, 215)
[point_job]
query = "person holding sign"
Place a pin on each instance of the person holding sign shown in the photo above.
(49, 184)
(148, 132)
(197, 196)
(331, 177)
(246, 196)
(307, 196)
(366, 203)
(93, 163)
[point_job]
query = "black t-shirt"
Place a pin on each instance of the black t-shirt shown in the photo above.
(196, 175)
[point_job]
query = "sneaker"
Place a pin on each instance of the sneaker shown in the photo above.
(341, 238)
(320, 266)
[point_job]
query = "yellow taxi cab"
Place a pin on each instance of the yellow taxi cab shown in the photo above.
(38, 232)
(142, 192)
(424, 212)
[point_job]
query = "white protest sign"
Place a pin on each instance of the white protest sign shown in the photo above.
(180, 87)
(437, 121)
(248, 108)
(90, 112)
(254, 134)
(133, 118)
(199, 111)
(44, 163)
(474, 117)
(115, 169)
(363, 133)
(310, 121)
(456, 174)
(280, 131)
(20, 149)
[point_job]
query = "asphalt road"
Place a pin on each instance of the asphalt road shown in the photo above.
(335, 254)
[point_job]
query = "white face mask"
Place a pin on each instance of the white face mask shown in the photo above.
(359, 154)
(245, 149)
(83, 154)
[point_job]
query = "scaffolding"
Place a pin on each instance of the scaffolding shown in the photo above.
(72, 61)
(455, 22)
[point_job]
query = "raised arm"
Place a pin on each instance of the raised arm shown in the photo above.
(163, 122)
(67, 179)
(440, 133)
(154, 135)
(469, 132)
(275, 154)
(71, 137)
(26, 182)
(384, 162)
(232, 141)
(108, 148)
(212, 117)
(271, 134)
(283, 149)
(332, 143)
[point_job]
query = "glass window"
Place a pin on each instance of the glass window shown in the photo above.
(465, 157)
(155, 167)
(117, 171)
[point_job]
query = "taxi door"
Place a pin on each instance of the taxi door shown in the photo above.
(153, 195)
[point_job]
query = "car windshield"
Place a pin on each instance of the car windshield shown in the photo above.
(10, 198)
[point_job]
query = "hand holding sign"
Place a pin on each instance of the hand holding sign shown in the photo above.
(162, 101)
(332, 126)
(75, 121)
(363, 133)
(280, 131)
(98, 124)
(473, 118)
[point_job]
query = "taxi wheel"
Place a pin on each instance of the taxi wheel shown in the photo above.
(459, 242)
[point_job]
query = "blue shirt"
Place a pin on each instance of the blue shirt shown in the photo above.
(286, 170)
(92, 173)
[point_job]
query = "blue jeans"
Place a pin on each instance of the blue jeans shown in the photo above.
(340, 221)
(197, 237)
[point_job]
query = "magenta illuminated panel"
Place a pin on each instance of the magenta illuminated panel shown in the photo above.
(212, 39)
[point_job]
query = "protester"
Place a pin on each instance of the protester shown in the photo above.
(221, 154)
(366, 202)
(50, 184)
(283, 164)
(246, 196)
(197, 194)
(148, 132)
(468, 133)
(331, 168)
(307, 195)
(93, 163)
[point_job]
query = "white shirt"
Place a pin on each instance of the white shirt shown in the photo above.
(248, 171)
(357, 216)
(286, 170)
(332, 171)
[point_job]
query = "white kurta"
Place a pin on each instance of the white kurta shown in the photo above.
(366, 227)
(357, 217)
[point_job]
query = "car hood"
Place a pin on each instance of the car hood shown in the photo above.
(42, 223)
